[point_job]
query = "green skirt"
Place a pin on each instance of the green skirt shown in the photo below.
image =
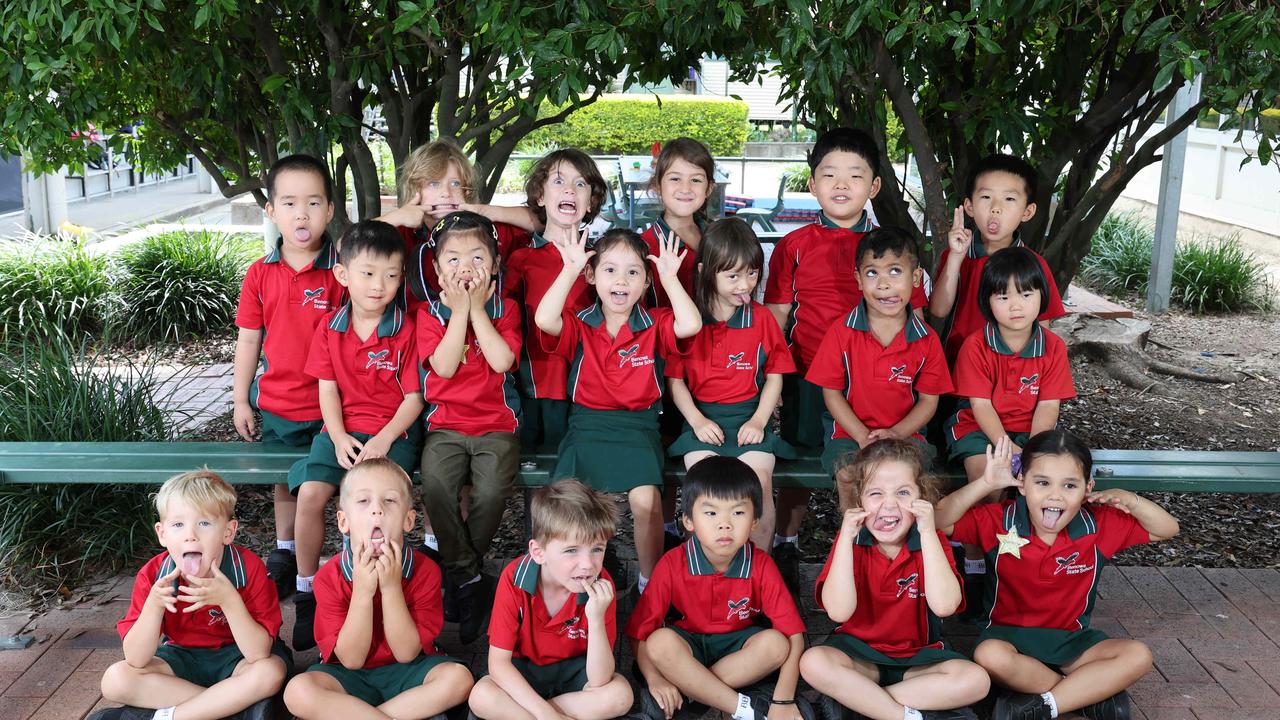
(611, 450)
(730, 417)
(1050, 646)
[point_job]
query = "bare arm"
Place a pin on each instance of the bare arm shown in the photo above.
(947, 284)
(248, 346)
(942, 590)
(1045, 416)
(997, 476)
(984, 412)
(518, 215)
(840, 409)
(781, 313)
(919, 416)
(505, 675)
(839, 594)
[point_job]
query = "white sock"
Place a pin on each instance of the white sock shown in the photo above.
(909, 713)
(641, 583)
(672, 527)
(303, 584)
(164, 713)
(975, 567)
(430, 541)
(779, 539)
(1053, 704)
(285, 545)
(744, 711)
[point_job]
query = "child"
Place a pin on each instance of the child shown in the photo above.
(378, 613)
(1014, 374)
(437, 179)
(200, 633)
(728, 385)
(1046, 549)
(881, 370)
(709, 653)
(468, 341)
(616, 348)
(683, 179)
(284, 297)
(555, 617)
(365, 359)
(888, 580)
(1000, 196)
(808, 290)
(565, 190)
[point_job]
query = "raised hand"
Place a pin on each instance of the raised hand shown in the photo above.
(998, 474)
(162, 591)
(201, 592)
(852, 522)
(575, 253)
(454, 294)
(669, 258)
(923, 511)
(388, 565)
(1115, 497)
(959, 238)
(364, 570)
(599, 596)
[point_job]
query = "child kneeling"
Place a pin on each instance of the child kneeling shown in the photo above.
(200, 634)
(378, 612)
(708, 654)
(889, 579)
(555, 617)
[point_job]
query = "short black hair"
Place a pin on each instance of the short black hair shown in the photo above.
(1021, 266)
(1005, 163)
(723, 478)
(888, 240)
(857, 142)
(463, 221)
(370, 236)
(1058, 442)
(299, 162)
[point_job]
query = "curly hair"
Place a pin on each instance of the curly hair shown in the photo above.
(581, 162)
(854, 470)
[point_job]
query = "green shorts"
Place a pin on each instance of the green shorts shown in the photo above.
(207, 667)
(802, 411)
(710, 649)
(838, 452)
(1054, 648)
(554, 679)
(892, 669)
(321, 464)
(375, 686)
(730, 417)
(974, 443)
(276, 429)
(611, 450)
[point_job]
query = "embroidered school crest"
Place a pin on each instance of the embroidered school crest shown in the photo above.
(908, 585)
(735, 358)
(313, 297)
(1069, 565)
(216, 617)
(1029, 383)
(378, 360)
(571, 630)
(899, 374)
(739, 608)
(633, 356)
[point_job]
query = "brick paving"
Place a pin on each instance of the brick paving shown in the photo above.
(1215, 635)
(192, 396)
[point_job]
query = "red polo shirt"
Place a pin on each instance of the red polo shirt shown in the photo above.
(657, 297)
(1014, 383)
(522, 624)
(622, 373)
(287, 305)
(966, 315)
(1048, 587)
(476, 400)
(207, 627)
(373, 375)
(423, 283)
(729, 360)
(530, 273)
(814, 269)
(421, 586)
(713, 603)
(879, 382)
(892, 614)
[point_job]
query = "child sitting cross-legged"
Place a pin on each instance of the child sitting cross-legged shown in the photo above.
(889, 579)
(724, 588)
(200, 634)
(1046, 549)
(555, 617)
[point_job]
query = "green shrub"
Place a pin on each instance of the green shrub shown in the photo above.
(797, 177)
(54, 389)
(47, 282)
(1120, 257)
(181, 284)
(629, 125)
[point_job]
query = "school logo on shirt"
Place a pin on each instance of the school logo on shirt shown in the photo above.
(633, 356)
(378, 360)
(216, 617)
(740, 608)
(908, 585)
(571, 630)
(899, 374)
(1029, 383)
(313, 297)
(1069, 566)
(738, 361)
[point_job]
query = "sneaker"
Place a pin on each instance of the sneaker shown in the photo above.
(261, 710)
(474, 602)
(449, 598)
(304, 636)
(125, 712)
(787, 557)
(282, 568)
(1020, 706)
(964, 713)
(830, 709)
(1115, 707)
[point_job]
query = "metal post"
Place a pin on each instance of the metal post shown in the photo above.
(1160, 279)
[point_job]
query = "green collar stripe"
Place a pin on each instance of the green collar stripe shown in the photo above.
(232, 566)
(698, 564)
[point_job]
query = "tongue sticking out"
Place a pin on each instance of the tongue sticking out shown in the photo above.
(743, 298)
(376, 540)
(993, 228)
(1051, 517)
(887, 524)
(191, 564)
(302, 235)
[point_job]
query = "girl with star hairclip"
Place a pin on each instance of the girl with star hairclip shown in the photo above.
(888, 581)
(1046, 549)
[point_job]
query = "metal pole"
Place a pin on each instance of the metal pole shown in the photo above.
(1160, 279)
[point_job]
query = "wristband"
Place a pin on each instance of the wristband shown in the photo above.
(775, 701)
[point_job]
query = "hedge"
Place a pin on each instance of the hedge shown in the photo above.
(629, 124)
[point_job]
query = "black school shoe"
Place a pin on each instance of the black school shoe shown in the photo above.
(304, 624)
(964, 713)
(1115, 707)
(1020, 706)
(123, 713)
(282, 568)
(262, 710)
(649, 708)
(787, 558)
(760, 705)
(474, 600)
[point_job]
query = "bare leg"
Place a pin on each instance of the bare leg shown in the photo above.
(490, 702)
(599, 703)
(314, 695)
(762, 463)
(716, 686)
(155, 686)
(446, 686)
(286, 507)
(853, 684)
(1018, 672)
(942, 686)
(792, 504)
(1102, 671)
(646, 513)
(313, 496)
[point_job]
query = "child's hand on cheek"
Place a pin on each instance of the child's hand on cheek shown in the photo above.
(364, 570)
(852, 523)
(923, 510)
